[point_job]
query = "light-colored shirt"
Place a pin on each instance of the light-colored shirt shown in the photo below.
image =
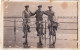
(26, 14)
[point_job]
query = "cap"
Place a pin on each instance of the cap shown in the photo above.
(26, 6)
(40, 6)
(49, 6)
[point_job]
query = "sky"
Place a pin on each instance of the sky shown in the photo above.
(60, 8)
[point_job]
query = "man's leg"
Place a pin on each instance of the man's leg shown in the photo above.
(37, 27)
(25, 35)
(24, 31)
(42, 29)
(40, 40)
(28, 28)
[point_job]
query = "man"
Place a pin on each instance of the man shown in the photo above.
(39, 13)
(39, 23)
(26, 18)
(51, 22)
(50, 15)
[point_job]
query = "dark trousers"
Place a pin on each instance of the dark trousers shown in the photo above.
(52, 29)
(25, 25)
(38, 26)
(26, 28)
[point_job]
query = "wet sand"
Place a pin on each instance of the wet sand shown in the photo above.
(64, 40)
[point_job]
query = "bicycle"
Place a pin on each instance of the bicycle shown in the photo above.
(52, 26)
(25, 30)
(40, 34)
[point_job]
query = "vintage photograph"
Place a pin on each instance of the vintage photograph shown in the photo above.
(40, 25)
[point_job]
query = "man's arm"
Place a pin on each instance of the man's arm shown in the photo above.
(54, 17)
(32, 14)
(45, 12)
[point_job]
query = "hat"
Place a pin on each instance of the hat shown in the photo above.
(49, 6)
(26, 6)
(40, 6)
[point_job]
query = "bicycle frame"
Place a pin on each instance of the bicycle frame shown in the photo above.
(51, 33)
(40, 31)
(26, 35)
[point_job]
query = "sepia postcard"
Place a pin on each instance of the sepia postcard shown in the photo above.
(40, 24)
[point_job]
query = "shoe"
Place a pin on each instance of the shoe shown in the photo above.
(53, 43)
(29, 31)
(23, 36)
(37, 34)
(25, 43)
(41, 44)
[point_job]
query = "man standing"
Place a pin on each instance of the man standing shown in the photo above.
(39, 23)
(51, 28)
(26, 18)
(39, 13)
(50, 15)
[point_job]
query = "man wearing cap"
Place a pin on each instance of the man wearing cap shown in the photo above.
(50, 15)
(39, 23)
(39, 19)
(26, 18)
